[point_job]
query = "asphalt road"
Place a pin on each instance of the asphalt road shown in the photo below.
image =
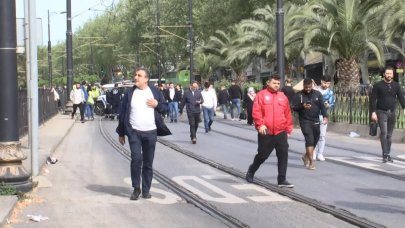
(90, 183)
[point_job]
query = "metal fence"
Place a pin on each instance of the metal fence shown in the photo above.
(47, 108)
(353, 108)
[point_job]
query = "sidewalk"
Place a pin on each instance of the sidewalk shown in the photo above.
(51, 134)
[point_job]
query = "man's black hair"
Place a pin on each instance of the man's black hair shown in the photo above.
(206, 84)
(307, 81)
(326, 78)
(275, 77)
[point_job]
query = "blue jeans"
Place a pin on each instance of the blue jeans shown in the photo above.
(208, 114)
(386, 121)
(89, 110)
(173, 110)
(142, 145)
(235, 103)
(225, 110)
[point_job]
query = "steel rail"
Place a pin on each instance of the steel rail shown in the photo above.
(176, 188)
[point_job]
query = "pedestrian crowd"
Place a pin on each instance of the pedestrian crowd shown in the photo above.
(141, 110)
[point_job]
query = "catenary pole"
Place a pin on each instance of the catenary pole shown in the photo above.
(280, 40)
(12, 172)
(69, 54)
(190, 36)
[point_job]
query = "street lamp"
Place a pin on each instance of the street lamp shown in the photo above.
(280, 40)
(50, 47)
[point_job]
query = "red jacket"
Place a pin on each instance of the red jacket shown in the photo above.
(271, 108)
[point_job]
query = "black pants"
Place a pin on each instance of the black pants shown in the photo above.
(386, 121)
(193, 120)
(81, 108)
(266, 145)
(311, 131)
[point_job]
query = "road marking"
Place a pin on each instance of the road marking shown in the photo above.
(168, 197)
(226, 197)
(366, 165)
(267, 197)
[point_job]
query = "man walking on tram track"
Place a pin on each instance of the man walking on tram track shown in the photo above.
(273, 121)
(383, 106)
(309, 105)
(329, 102)
(141, 121)
(209, 106)
(192, 99)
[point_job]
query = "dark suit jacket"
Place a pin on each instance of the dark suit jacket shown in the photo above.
(190, 101)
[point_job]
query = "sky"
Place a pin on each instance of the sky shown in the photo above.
(80, 15)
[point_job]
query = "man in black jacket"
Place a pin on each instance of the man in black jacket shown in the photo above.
(223, 100)
(309, 103)
(141, 122)
(235, 94)
(383, 105)
(192, 99)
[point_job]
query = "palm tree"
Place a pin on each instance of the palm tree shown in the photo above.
(344, 28)
(258, 37)
(222, 45)
(393, 19)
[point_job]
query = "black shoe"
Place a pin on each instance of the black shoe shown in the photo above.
(175, 121)
(285, 184)
(249, 176)
(209, 128)
(388, 159)
(171, 121)
(135, 194)
(146, 195)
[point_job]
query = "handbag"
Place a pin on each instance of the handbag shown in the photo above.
(373, 128)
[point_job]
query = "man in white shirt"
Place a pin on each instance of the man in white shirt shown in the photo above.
(209, 106)
(77, 97)
(140, 120)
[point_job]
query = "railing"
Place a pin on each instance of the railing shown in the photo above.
(47, 108)
(353, 108)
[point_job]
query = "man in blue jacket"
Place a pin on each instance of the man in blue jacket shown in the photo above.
(140, 120)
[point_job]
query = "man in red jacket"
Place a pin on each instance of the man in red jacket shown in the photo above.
(273, 121)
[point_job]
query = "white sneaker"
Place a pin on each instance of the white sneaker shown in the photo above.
(320, 157)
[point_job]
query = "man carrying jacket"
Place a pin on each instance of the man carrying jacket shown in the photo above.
(273, 121)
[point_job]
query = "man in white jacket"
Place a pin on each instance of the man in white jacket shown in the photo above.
(209, 106)
(77, 97)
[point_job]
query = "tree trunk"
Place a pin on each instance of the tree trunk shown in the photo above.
(256, 68)
(364, 68)
(349, 75)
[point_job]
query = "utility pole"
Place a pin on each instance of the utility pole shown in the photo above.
(12, 171)
(49, 53)
(157, 40)
(190, 36)
(280, 40)
(69, 54)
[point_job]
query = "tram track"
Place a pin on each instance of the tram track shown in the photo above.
(228, 219)
(188, 196)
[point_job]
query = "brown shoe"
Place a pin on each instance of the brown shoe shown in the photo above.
(311, 166)
(305, 160)
(194, 140)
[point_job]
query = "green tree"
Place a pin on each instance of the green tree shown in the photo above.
(342, 28)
